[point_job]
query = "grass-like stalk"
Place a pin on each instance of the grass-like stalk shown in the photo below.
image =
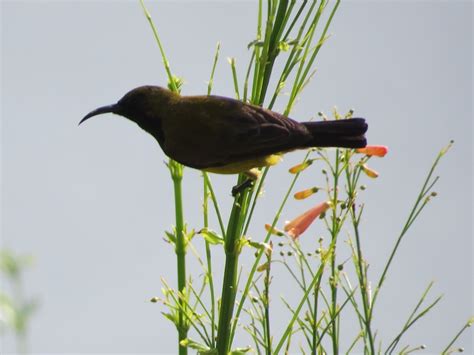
(414, 316)
(352, 183)
(334, 274)
(229, 284)
(259, 255)
(278, 15)
(166, 64)
(206, 187)
(176, 171)
(467, 325)
(421, 201)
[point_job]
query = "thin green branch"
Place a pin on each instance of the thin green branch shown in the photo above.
(411, 218)
(468, 324)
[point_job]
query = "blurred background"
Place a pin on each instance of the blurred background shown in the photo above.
(91, 203)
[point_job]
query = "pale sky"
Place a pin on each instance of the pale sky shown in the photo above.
(92, 203)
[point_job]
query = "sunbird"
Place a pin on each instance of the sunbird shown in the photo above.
(227, 136)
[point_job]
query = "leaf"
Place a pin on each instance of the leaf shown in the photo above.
(211, 237)
(208, 352)
(201, 348)
(256, 43)
(190, 235)
(240, 351)
(171, 237)
(171, 317)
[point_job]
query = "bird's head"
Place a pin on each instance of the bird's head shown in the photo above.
(138, 105)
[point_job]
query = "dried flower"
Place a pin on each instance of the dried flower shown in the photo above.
(297, 226)
(373, 150)
(369, 172)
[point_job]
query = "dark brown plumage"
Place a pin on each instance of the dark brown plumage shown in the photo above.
(224, 135)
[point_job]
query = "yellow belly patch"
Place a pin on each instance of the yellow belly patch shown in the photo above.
(245, 165)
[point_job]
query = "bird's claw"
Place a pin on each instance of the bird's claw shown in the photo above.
(248, 183)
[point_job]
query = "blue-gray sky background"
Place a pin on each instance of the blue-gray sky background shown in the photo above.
(91, 203)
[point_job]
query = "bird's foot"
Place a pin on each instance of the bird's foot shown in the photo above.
(248, 183)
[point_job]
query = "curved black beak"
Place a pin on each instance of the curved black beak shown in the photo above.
(99, 111)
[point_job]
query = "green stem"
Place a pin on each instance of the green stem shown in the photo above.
(160, 46)
(272, 49)
(176, 171)
(411, 218)
(456, 337)
(363, 284)
(268, 334)
(316, 280)
(229, 284)
(334, 233)
(314, 329)
(257, 259)
(362, 274)
(209, 259)
(180, 250)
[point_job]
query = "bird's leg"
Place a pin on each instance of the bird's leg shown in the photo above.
(252, 176)
(242, 186)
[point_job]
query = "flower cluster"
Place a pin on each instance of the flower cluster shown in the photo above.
(300, 224)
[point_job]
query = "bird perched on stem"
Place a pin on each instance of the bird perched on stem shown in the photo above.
(224, 135)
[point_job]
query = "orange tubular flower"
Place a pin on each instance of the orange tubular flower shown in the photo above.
(374, 150)
(298, 225)
(300, 167)
(370, 172)
(301, 195)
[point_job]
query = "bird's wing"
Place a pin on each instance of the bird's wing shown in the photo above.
(260, 129)
(221, 130)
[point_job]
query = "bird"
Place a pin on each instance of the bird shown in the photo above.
(227, 136)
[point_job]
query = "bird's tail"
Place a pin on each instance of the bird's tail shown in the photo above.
(345, 133)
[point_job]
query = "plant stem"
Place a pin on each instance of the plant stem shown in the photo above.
(209, 259)
(334, 233)
(315, 333)
(266, 304)
(456, 337)
(361, 269)
(363, 283)
(229, 284)
(180, 250)
(166, 64)
(411, 218)
(176, 171)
